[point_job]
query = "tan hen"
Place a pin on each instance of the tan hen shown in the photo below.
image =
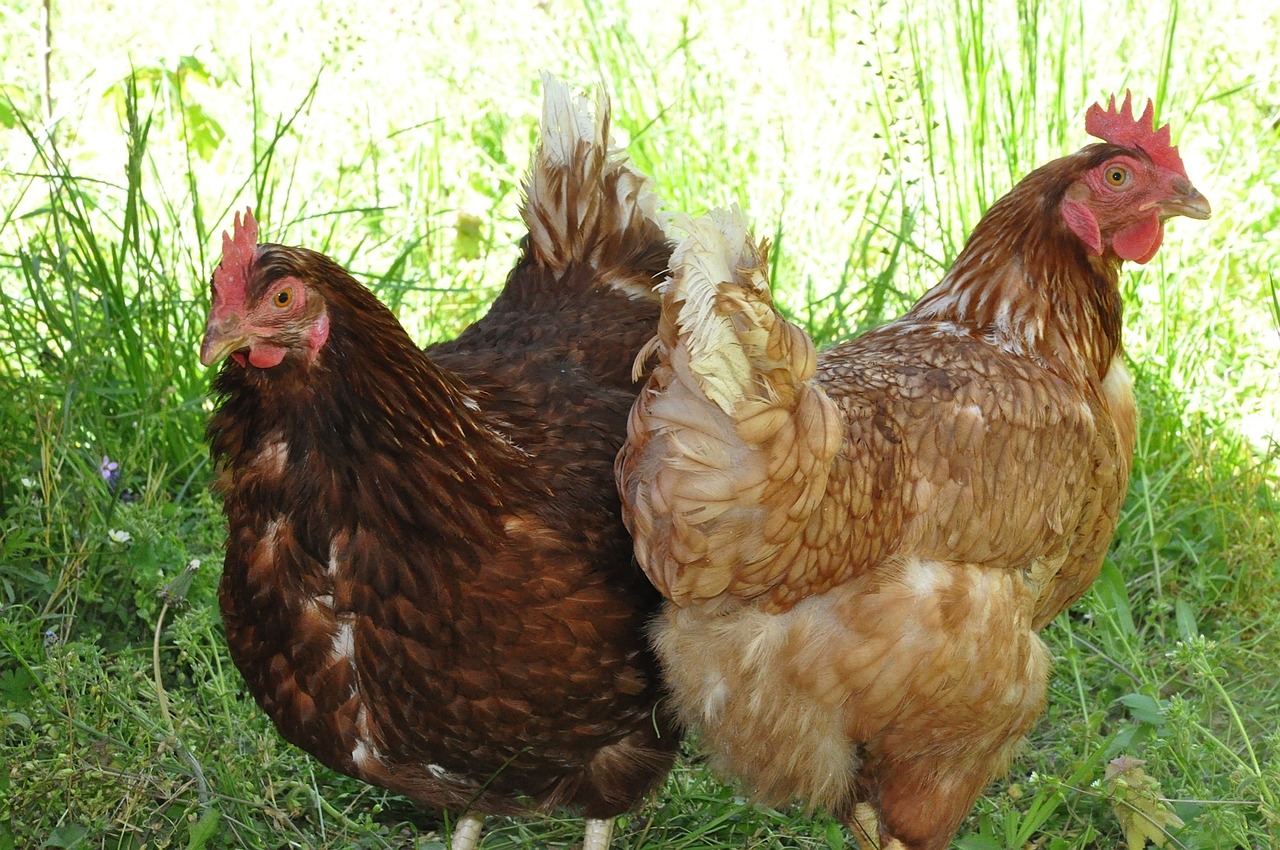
(859, 547)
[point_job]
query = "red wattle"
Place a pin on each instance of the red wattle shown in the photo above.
(265, 356)
(1139, 242)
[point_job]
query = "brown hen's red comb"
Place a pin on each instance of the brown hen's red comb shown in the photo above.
(1119, 127)
(231, 278)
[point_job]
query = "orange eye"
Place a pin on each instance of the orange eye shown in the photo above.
(284, 297)
(1117, 175)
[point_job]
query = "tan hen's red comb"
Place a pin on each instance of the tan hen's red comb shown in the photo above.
(231, 278)
(1119, 127)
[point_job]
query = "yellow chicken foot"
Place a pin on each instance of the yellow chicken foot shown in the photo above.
(865, 827)
(466, 832)
(599, 834)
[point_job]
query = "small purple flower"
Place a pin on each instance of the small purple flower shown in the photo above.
(110, 472)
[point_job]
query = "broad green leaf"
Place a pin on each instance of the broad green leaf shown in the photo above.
(1144, 709)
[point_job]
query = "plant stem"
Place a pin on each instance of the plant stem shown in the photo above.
(46, 63)
(202, 785)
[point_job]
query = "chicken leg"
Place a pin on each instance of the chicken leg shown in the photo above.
(466, 832)
(599, 834)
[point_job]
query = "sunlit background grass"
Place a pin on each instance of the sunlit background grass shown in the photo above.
(865, 138)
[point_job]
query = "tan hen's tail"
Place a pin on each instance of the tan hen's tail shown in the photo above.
(586, 205)
(730, 444)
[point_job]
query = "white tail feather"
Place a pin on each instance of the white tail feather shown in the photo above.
(585, 203)
(566, 121)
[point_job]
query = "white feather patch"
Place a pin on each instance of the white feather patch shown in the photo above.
(332, 568)
(344, 643)
(365, 754)
(271, 535)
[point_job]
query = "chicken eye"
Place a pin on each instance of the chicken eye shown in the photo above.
(1117, 175)
(283, 297)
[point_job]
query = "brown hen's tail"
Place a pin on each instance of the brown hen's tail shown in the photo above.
(730, 444)
(586, 206)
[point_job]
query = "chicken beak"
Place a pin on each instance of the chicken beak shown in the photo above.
(1188, 202)
(220, 339)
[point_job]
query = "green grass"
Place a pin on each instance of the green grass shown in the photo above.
(865, 138)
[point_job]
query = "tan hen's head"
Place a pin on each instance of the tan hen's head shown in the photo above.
(1119, 205)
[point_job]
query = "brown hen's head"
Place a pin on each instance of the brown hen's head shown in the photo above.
(260, 313)
(1119, 204)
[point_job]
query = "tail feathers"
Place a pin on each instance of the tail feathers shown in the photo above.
(724, 316)
(585, 204)
(730, 445)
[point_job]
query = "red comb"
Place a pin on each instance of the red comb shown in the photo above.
(231, 278)
(1119, 127)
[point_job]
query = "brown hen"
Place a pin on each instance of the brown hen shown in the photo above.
(861, 546)
(427, 584)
